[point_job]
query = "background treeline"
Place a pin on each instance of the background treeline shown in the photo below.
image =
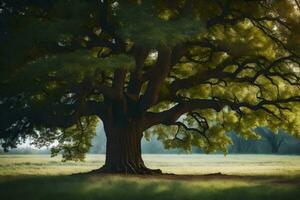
(269, 143)
(280, 143)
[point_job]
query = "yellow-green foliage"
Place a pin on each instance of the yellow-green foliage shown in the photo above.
(78, 64)
(75, 141)
(144, 27)
(243, 39)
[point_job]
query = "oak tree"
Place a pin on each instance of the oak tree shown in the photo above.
(184, 71)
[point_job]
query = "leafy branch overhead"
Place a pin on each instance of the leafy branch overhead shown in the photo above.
(184, 71)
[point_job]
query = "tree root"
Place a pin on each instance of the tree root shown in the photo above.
(126, 169)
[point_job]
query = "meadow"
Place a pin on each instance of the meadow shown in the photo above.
(197, 177)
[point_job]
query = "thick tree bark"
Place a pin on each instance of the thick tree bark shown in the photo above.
(123, 150)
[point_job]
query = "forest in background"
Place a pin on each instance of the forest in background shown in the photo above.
(270, 143)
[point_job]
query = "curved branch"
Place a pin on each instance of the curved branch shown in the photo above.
(188, 105)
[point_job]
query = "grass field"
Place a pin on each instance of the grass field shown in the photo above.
(246, 177)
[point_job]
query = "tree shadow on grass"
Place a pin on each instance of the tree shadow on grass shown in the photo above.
(145, 187)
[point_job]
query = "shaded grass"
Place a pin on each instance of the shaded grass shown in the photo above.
(122, 187)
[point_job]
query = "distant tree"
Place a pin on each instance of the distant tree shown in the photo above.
(184, 71)
(242, 145)
(290, 145)
(274, 140)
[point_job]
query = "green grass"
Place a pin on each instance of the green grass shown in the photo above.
(249, 177)
(178, 164)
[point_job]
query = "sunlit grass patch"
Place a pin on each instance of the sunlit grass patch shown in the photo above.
(179, 164)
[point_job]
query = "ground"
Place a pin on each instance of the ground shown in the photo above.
(242, 176)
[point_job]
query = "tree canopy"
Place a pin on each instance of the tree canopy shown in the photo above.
(184, 71)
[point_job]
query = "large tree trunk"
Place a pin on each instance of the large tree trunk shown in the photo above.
(123, 150)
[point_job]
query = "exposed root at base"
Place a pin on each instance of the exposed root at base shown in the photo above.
(155, 172)
(125, 169)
